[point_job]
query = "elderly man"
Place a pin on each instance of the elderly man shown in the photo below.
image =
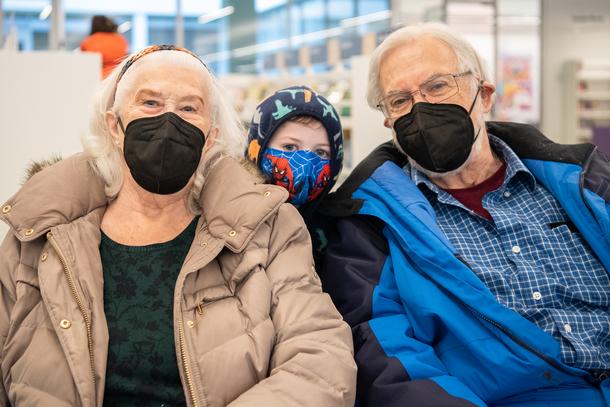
(471, 259)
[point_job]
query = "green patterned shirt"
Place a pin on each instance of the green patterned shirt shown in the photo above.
(138, 301)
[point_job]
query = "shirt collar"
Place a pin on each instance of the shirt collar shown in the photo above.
(514, 166)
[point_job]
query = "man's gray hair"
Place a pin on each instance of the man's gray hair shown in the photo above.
(468, 59)
(106, 156)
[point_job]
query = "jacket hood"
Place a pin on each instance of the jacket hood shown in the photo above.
(234, 201)
(36, 166)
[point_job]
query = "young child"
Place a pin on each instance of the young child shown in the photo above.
(296, 140)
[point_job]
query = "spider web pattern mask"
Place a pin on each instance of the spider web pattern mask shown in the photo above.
(302, 173)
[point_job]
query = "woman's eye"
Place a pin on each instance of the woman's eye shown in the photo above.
(289, 147)
(323, 154)
(151, 103)
(189, 109)
(398, 102)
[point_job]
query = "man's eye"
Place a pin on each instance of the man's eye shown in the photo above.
(189, 109)
(437, 87)
(151, 103)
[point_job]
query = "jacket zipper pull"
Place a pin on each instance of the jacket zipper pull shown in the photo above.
(200, 308)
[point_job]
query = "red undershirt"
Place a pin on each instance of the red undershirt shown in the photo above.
(472, 197)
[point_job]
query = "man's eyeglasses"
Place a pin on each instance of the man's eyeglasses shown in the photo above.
(435, 90)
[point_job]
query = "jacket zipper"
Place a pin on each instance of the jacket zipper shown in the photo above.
(187, 370)
(78, 300)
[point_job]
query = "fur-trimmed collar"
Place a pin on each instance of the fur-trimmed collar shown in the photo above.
(234, 199)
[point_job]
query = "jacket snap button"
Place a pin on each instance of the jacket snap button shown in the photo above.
(29, 232)
(204, 244)
(44, 256)
(232, 233)
(65, 324)
(267, 193)
(6, 208)
(190, 324)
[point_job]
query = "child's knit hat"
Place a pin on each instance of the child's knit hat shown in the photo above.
(291, 102)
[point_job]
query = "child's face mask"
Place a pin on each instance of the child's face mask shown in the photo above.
(302, 173)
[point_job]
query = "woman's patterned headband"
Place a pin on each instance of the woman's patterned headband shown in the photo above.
(151, 49)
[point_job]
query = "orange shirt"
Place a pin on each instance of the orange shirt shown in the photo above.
(112, 46)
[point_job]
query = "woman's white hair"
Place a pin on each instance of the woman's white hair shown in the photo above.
(468, 59)
(106, 156)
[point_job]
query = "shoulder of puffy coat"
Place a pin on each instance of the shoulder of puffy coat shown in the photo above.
(56, 193)
(235, 202)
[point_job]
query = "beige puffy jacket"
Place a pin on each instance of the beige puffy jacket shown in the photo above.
(251, 324)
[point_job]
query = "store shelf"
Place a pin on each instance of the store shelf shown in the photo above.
(594, 114)
(594, 95)
(594, 75)
(586, 98)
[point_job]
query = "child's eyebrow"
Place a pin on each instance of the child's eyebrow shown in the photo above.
(322, 145)
(290, 138)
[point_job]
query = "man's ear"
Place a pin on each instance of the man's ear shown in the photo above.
(112, 122)
(210, 139)
(487, 95)
(387, 123)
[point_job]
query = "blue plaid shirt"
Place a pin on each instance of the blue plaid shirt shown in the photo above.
(532, 259)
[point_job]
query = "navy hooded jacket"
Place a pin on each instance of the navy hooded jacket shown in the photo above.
(427, 331)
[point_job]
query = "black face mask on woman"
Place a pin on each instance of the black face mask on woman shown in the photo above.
(438, 136)
(162, 152)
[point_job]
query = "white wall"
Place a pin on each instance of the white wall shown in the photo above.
(44, 107)
(367, 124)
(570, 30)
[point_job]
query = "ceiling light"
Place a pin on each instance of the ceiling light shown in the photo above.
(215, 15)
(46, 12)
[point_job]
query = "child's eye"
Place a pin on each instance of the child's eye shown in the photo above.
(290, 147)
(323, 153)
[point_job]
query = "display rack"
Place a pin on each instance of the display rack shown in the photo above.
(586, 99)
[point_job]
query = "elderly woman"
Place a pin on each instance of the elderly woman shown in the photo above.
(153, 269)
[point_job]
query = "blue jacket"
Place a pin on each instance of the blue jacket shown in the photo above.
(427, 331)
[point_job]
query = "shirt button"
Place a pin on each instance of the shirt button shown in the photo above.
(516, 249)
(568, 328)
(536, 295)
(506, 194)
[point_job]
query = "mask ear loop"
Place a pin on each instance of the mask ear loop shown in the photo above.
(479, 87)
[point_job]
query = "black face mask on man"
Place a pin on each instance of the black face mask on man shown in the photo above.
(438, 136)
(162, 152)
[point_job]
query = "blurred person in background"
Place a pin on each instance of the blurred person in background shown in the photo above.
(105, 40)
(154, 269)
(471, 258)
